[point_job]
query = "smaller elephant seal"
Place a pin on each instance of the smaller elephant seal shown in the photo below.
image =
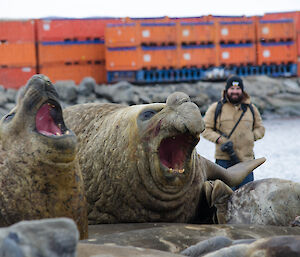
(140, 164)
(269, 201)
(220, 246)
(40, 175)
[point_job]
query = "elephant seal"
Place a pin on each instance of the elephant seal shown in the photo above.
(269, 201)
(40, 175)
(276, 246)
(140, 164)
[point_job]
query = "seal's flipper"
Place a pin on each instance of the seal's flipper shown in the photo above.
(238, 172)
(234, 175)
(217, 194)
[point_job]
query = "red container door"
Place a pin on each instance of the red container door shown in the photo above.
(196, 32)
(17, 31)
(16, 77)
(198, 56)
(122, 59)
(158, 33)
(121, 35)
(17, 54)
(237, 54)
(159, 57)
(277, 53)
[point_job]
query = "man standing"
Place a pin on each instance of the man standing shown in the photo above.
(233, 124)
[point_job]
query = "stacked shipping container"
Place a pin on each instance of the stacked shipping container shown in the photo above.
(188, 50)
(71, 49)
(17, 52)
(149, 49)
(295, 16)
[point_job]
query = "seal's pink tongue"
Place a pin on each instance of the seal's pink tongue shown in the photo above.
(44, 122)
(172, 152)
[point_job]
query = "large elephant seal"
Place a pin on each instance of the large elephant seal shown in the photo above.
(40, 176)
(269, 201)
(140, 163)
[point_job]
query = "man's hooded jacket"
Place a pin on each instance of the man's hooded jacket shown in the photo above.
(243, 136)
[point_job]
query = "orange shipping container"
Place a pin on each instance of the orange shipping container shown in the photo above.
(158, 33)
(197, 56)
(121, 35)
(14, 31)
(122, 58)
(16, 77)
(74, 72)
(237, 54)
(159, 57)
(276, 30)
(18, 54)
(236, 32)
(284, 15)
(298, 44)
(70, 52)
(276, 53)
(73, 29)
(196, 32)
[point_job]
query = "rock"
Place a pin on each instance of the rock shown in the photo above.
(67, 91)
(260, 88)
(40, 238)
(11, 95)
(86, 86)
(262, 85)
(3, 99)
(106, 92)
(291, 86)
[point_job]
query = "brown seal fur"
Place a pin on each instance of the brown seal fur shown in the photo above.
(40, 175)
(139, 162)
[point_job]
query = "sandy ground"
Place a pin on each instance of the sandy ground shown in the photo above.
(280, 146)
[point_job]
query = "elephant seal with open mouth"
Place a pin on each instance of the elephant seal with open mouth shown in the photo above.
(140, 164)
(39, 172)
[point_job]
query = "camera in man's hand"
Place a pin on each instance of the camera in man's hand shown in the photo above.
(228, 148)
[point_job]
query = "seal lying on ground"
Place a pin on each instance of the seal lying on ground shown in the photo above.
(40, 175)
(276, 246)
(270, 201)
(140, 164)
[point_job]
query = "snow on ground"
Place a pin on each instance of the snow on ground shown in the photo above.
(280, 146)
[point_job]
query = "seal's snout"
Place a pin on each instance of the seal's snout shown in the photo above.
(186, 116)
(177, 98)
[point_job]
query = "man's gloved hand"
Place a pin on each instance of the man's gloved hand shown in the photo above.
(228, 148)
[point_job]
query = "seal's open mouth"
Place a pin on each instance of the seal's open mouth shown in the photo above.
(175, 150)
(49, 120)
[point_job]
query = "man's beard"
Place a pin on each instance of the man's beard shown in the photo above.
(235, 100)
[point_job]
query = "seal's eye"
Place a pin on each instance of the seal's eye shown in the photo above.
(146, 115)
(9, 116)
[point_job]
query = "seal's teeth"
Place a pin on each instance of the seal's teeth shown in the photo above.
(181, 171)
(53, 106)
(171, 170)
(59, 125)
(58, 134)
(67, 132)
